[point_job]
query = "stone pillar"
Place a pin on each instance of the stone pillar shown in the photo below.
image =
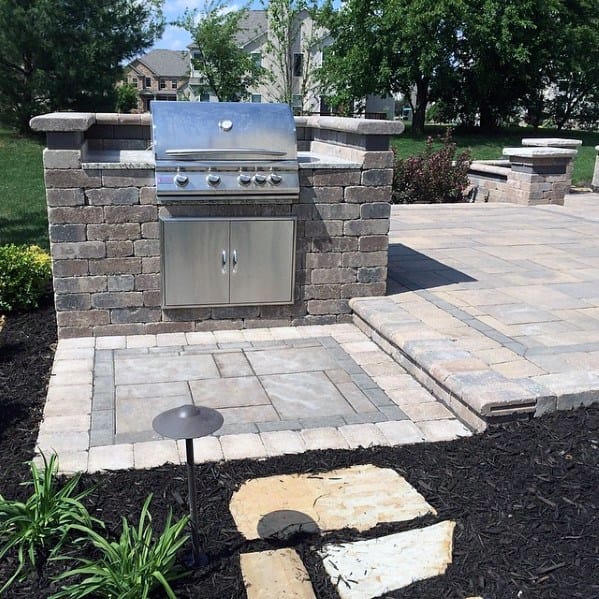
(538, 175)
(595, 183)
(555, 142)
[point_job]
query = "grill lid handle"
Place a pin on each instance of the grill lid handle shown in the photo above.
(199, 153)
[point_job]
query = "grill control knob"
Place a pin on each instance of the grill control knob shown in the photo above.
(213, 179)
(275, 179)
(244, 179)
(260, 179)
(181, 180)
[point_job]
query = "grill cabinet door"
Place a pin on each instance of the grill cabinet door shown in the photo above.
(262, 261)
(195, 262)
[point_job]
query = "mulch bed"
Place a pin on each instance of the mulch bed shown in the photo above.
(525, 495)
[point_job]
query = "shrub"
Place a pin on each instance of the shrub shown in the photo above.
(433, 177)
(24, 276)
(38, 528)
(133, 566)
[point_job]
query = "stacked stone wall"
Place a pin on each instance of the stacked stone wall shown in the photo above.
(105, 238)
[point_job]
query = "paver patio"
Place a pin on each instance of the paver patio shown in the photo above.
(494, 306)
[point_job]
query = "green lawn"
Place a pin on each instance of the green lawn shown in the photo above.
(486, 147)
(23, 217)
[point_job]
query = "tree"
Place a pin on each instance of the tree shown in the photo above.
(293, 42)
(126, 97)
(573, 73)
(388, 46)
(502, 50)
(225, 68)
(67, 54)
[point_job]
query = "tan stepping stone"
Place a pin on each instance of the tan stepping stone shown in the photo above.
(276, 574)
(360, 497)
(366, 569)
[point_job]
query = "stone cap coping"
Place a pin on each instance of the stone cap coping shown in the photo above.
(544, 152)
(351, 125)
(63, 121)
(552, 142)
(495, 169)
(82, 121)
(495, 162)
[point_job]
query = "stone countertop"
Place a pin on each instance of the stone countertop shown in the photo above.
(144, 159)
(119, 159)
(312, 160)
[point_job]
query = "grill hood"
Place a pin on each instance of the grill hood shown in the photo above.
(222, 131)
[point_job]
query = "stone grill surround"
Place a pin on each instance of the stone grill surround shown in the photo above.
(104, 230)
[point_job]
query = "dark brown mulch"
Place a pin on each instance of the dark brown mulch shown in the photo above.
(525, 496)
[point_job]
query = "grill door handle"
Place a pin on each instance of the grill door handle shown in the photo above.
(234, 260)
(223, 258)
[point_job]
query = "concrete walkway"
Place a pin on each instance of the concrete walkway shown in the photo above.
(495, 307)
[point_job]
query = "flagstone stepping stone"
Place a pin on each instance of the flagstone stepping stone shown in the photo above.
(359, 497)
(276, 574)
(366, 569)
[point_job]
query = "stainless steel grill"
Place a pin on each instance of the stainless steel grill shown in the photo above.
(224, 150)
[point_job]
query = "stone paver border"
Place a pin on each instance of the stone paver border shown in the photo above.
(71, 391)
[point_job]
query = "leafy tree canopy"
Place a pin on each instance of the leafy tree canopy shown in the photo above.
(67, 54)
(224, 67)
(480, 60)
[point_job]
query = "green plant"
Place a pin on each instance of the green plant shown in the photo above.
(38, 528)
(434, 176)
(24, 276)
(133, 566)
(126, 97)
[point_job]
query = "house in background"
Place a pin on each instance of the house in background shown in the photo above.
(158, 75)
(170, 75)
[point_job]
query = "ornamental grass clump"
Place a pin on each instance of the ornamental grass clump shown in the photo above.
(433, 177)
(25, 273)
(132, 567)
(38, 528)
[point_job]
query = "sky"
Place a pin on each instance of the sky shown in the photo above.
(175, 38)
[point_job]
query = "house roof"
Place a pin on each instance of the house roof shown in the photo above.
(254, 25)
(167, 63)
(251, 27)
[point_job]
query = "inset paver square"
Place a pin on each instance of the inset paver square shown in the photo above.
(359, 497)
(228, 392)
(301, 359)
(301, 395)
(164, 368)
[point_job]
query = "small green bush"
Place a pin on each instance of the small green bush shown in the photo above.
(25, 272)
(131, 568)
(38, 528)
(433, 177)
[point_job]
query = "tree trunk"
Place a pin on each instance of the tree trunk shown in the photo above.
(419, 115)
(487, 119)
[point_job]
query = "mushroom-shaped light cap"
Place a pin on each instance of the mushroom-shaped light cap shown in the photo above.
(187, 422)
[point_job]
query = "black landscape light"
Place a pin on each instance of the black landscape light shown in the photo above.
(190, 422)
